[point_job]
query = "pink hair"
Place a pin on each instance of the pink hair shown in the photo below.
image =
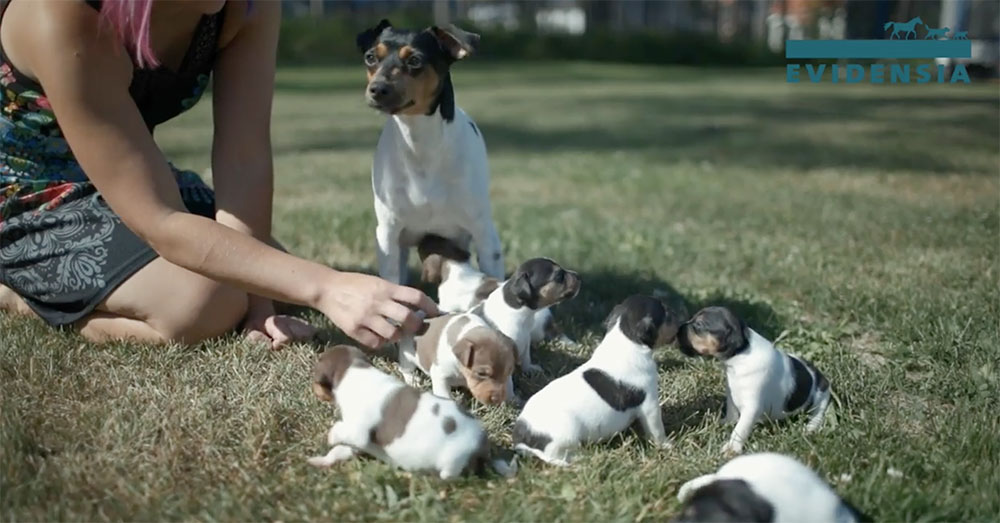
(130, 21)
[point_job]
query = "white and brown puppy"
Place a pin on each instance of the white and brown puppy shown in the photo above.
(395, 423)
(537, 284)
(430, 173)
(461, 350)
(605, 395)
(761, 381)
(764, 487)
(462, 287)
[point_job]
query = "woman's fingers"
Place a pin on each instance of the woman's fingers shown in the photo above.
(368, 338)
(402, 315)
(382, 328)
(414, 298)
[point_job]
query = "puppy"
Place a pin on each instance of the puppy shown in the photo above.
(605, 395)
(461, 350)
(462, 287)
(761, 381)
(430, 173)
(511, 308)
(764, 487)
(395, 423)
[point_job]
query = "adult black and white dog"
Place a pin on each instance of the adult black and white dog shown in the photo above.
(430, 173)
(762, 488)
(761, 381)
(605, 395)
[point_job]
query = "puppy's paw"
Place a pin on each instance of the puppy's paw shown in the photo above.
(336, 455)
(665, 444)
(732, 449)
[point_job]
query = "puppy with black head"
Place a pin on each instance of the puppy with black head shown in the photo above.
(430, 173)
(605, 395)
(462, 287)
(761, 381)
(764, 488)
(511, 308)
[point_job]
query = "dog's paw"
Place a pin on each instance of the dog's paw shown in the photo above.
(665, 444)
(732, 449)
(336, 455)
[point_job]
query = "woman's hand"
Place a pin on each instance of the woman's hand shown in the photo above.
(372, 310)
(263, 325)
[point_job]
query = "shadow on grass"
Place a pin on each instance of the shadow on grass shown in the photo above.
(681, 418)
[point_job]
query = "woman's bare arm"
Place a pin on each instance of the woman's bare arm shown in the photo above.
(86, 75)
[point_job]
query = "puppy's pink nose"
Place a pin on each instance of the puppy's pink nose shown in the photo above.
(497, 397)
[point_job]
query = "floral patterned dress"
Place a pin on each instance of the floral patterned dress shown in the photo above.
(62, 249)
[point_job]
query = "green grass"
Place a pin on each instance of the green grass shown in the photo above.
(857, 223)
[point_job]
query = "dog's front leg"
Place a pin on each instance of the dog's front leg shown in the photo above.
(389, 253)
(336, 455)
(748, 417)
(488, 248)
(439, 384)
(732, 413)
(513, 399)
(652, 422)
(407, 356)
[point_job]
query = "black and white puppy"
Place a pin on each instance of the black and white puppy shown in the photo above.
(462, 287)
(761, 381)
(763, 488)
(511, 308)
(605, 395)
(395, 423)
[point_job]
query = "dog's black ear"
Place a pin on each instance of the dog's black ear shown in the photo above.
(726, 500)
(366, 39)
(520, 287)
(736, 334)
(616, 313)
(456, 42)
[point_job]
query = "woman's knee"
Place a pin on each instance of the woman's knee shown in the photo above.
(205, 309)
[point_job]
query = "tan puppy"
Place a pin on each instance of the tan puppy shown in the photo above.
(461, 350)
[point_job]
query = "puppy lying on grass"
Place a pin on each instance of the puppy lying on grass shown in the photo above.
(761, 381)
(602, 397)
(764, 487)
(395, 423)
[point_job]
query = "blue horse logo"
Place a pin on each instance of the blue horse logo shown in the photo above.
(905, 28)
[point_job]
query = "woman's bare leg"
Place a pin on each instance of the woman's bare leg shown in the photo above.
(11, 302)
(164, 302)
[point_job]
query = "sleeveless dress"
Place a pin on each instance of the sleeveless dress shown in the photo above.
(62, 248)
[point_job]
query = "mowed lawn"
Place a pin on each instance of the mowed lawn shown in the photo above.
(858, 224)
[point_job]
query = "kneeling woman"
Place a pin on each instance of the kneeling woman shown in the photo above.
(99, 232)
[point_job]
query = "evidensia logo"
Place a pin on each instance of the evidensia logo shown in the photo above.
(935, 44)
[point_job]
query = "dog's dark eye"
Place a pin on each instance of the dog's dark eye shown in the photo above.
(370, 58)
(482, 374)
(560, 276)
(414, 62)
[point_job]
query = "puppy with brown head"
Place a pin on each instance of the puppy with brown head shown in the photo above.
(512, 308)
(430, 154)
(615, 387)
(461, 350)
(761, 381)
(393, 422)
(445, 264)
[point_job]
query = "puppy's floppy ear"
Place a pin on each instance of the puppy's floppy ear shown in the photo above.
(456, 42)
(616, 313)
(521, 287)
(464, 351)
(366, 39)
(736, 334)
